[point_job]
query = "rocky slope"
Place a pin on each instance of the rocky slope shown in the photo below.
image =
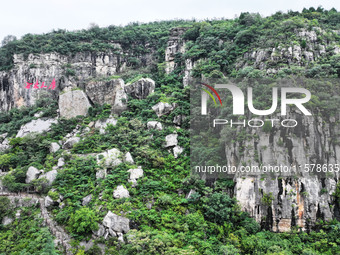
(299, 201)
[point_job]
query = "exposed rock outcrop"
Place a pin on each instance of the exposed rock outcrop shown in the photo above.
(32, 174)
(71, 142)
(121, 192)
(116, 223)
(135, 174)
(102, 124)
(162, 108)
(50, 176)
(36, 126)
(109, 158)
(154, 125)
(108, 92)
(171, 140)
(141, 88)
(73, 103)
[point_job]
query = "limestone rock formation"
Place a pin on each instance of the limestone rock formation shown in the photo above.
(101, 174)
(177, 151)
(7, 220)
(73, 103)
(121, 192)
(162, 108)
(50, 176)
(36, 126)
(71, 142)
(102, 124)
(171, 140)
(109, 158)
(116, 223)
(135, 174)
(128, 158)
(86, 200)
(141, 88)
(32, 174)
(54, 147)
(108, 92)
(154, 125)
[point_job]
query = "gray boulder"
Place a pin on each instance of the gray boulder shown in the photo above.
(116, 223)
(178, 120)
(71, 142)
(101, 174)
(73, 103)
(61, 162)
(48, 201)
(7, 220)
(135, 174)
(109, 92)
(35, 126)
(162, 108)
(32, 174)
(87, 200)
(100, 232)
(128, 158)
(109, 158)
(121, 192)
(154, 125)
(54, 147)
(177, 151)
(171, 140)
(141, 88)
(50, 176)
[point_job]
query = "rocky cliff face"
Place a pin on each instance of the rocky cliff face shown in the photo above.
(282, 201)
(68, 71)
(292, 200)
(293, 53)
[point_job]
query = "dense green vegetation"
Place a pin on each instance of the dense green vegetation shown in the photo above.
(164, 219)
(26, 235)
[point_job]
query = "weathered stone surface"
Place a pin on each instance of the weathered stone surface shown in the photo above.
(32, 174)
(128, 158)
(162, 108)
(109, 158)
(48, 201)
(109, 92)
(101, 174)
(50, 176)
(7, 220)
(135, 174)
(116, 223)
(120, 237)
(71, 142)
(18, 214)
(102, 124)
(86, 245)
(154, 125)
(175, 45)
(121, 192)
(35, 126)
(177, 151)
(178, 120)
(61, 162)
(171, 140)
(100, 232)
(141, 88)
(54, 147)
(73, 103)
(87, 200)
